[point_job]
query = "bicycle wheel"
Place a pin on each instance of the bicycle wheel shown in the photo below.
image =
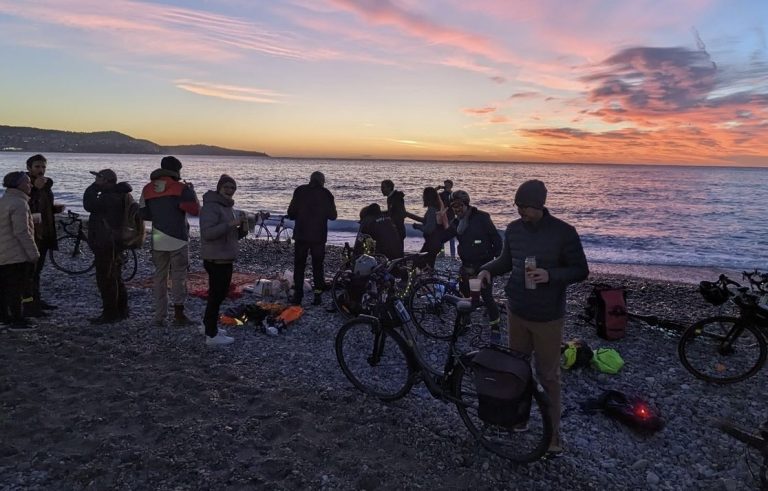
(342, 295)
(722, 350)
(285, 235)
(130, 264)
(74, 255)
(261, 232)
(374, 359)
(521, 445)
(430, 313)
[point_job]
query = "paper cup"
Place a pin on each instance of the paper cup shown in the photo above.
(474, 289)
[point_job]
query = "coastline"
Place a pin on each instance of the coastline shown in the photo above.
(132, 406)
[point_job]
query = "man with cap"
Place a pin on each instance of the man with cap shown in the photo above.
(479, 243)
(312, 205)
(165, 202)
(43, 211)
(106, 201)
(536, 315)
(18, 252)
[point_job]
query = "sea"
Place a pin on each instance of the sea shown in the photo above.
(660, 221)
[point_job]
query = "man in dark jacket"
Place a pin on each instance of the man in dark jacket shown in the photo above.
(380, 228)
(106, 200)
(166, 201)
(536, 313)
(43, 209)
(479, 243)
(311, 207)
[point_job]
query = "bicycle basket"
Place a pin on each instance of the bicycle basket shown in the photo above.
(713, 293)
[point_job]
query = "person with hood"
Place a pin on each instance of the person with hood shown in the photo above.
(479, 243)
(18, 252)
(312, 205)
(221, 227)
(536, 308)
(41, 203)
(106, 200)
(165, 202)
(379, 226)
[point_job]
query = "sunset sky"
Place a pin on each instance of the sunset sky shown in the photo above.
(627, 81)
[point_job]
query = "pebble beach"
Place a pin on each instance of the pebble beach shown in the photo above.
(131, 406)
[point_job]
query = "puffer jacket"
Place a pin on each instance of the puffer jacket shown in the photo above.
(165, 202)
(41, 201)
(557, 248)
(218, 238)
(311, 207)
(17, 239)
(479, 242)
(107, 209)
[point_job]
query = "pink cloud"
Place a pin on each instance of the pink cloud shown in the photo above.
(230, 92)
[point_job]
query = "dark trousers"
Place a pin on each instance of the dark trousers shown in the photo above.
(303, 249)
(219, 279)
(14, 280)
(114, 297)
(486, 292)
(35, 293)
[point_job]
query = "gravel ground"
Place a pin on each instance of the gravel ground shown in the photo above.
(129, 406)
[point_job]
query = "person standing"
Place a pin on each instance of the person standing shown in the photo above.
(106, 201)
(446, 196)
(18, 252)
(479, 243)
(312, 205)
(536, 313)
(220, 231)
(43, 209)
(166, 201)
(432, 225)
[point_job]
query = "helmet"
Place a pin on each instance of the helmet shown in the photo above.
(460, 195)
(364, 265)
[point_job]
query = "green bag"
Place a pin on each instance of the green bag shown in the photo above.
(607, 360)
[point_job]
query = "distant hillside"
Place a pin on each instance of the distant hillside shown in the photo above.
(21, 139)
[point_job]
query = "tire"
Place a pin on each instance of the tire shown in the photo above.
(340, 294)
(130, 264)
(518, 446)
(285, 235)
(432, 316)
(74, 256)
(261, 232)
(389, 377)
(707, 350)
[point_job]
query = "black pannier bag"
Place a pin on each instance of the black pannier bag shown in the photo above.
(504, 384)
(607, 308)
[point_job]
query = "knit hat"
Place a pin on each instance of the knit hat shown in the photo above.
(13, 179)
(108, 174)
(532, 194)
(223, 180)
(170, 163)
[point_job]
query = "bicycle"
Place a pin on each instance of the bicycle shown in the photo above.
(282, 231)
(754, 440)
(726, 349)
(74, 255)
(379, 356)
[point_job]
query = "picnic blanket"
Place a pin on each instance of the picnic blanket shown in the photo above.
(197, 283)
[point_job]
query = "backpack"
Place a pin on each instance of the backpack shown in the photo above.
(607, 309)
(632, 410)
(607, 360)
(504, 383)
(133, 228)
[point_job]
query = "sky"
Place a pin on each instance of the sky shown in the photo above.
(600, 81)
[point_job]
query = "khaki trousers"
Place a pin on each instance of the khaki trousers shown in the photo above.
(173, 264)
(543, 340)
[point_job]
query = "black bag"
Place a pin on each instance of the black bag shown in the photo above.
(504, 384)
(607, 309)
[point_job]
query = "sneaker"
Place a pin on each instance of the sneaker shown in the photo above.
(201, 329)
(520, 428)
(218, 340)
(22, 326)
(554, 452)
(47, 306)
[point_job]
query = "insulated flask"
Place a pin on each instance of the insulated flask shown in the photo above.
(530, 265)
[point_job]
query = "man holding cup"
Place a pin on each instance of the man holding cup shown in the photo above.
(536, 315)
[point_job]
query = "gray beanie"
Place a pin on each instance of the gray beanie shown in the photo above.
(532, 194)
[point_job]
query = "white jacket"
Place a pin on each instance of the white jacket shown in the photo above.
(17, 236)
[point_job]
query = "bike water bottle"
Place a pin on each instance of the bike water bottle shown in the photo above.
(402, 312)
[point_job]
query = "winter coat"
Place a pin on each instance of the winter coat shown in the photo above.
(41, 201)
(17, 237)
(311, 207)
(557, 248)
(396, 209)
(165, 202)
(107, 208)
(384, 232)
(479, 242)
(218, 239)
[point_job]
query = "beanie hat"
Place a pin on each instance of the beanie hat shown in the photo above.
(170, 163)
(223, 180)
(13, 179)
(532, 194)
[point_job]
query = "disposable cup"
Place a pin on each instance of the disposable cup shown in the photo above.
(474, 289)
